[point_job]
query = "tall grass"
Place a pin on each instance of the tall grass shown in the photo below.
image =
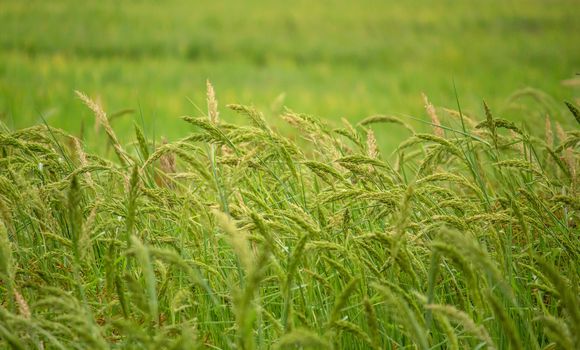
(239, 237)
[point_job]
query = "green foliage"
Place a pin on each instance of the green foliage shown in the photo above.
(333, 59)
(239, 237)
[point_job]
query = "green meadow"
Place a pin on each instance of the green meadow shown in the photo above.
(301, 175)
(331, 59)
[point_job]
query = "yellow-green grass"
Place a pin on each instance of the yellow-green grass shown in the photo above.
(238, 236)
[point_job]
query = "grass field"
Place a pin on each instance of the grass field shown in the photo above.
(237, 237)
(333, 59)
(137, 212)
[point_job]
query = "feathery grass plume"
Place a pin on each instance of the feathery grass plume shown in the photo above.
(23, 307)
(141, 141)
(495, 123)
(101, 116)
(324, 245)
(548, 133)
(350, 133)
(449, 177)
(303, 220)
(215, 133)
(560, 132)
(338, 267)
(354, 329)
(557, 331)
(85, 242)
(489, 122)
(314, 130)
(361, 160)
(372, 148)
(435, 122)
(237, 238)
(569, 142)
(304, 339)
(575, 112)
(166, 165)
(573, 202)
(376, 119)
(520, 165)
(255, 117)
(78, 148)
(444, 142)
(322, 169)
(452, 341)
(404, 315)
(212, 104)
(464, 320)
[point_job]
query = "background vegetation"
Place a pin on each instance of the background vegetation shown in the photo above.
(329, 58)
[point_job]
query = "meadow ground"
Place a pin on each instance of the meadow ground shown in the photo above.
(329, 58)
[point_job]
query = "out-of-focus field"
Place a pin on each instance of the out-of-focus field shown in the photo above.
(334, 59)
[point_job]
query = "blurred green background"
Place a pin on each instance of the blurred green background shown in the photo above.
(328, 58)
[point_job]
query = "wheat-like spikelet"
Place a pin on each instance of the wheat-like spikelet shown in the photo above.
(435, 122)
(212, 104)
(373, 151)
(574, 110)
(302, 338)
(463, 319)
(548, 133)
(375, 119)
(82, 160)
(305, 228)
(237, 238)
(101, 116)
(23, 307)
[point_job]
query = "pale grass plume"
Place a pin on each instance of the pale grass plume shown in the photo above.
(83, 161)
(560, 132)
(237, 238)
(212, 104)
(101, 116)
(167, 165)
(463, 319)
(372, 147)
(549, 133)
(436, 123)
(302, 338)
(568, 154)
(23, 306)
